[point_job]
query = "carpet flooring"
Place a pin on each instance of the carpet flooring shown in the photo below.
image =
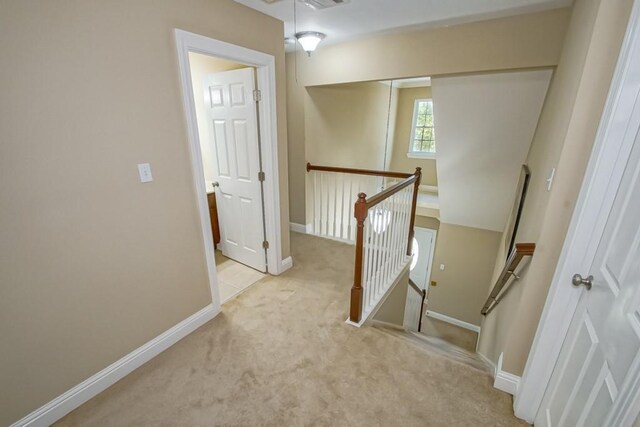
(281, 354)
(456, 335)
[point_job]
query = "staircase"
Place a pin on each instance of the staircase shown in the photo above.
(435, 345)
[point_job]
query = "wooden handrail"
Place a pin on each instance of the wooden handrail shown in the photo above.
(423, 293)
(360, 212)
(388, 174)
(520, 251)
(390, 191)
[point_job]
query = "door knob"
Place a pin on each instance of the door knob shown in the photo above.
(215, 184)
(577, 280)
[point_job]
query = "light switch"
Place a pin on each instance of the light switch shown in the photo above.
(144, 170)
(550, 179)
(441, 267)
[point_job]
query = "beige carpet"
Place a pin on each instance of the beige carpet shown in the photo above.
(281, 354)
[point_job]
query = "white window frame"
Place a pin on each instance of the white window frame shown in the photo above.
(418, 154)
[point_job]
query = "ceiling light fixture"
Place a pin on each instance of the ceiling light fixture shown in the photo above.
(309, 40)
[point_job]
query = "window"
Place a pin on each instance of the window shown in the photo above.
(423, 140)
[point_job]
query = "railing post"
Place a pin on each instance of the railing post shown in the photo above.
(414, 204)
(360, 213)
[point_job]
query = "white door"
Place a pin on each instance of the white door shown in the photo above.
(598, 371)
(421, 264)
(420, 273)
(233, 130)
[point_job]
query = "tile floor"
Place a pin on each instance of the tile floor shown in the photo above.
(234, 277)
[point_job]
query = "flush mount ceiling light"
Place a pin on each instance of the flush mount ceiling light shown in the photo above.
(309, 40)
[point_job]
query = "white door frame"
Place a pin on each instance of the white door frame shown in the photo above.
(266, 75)
(606, 166)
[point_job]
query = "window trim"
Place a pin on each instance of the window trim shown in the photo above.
(418, 154)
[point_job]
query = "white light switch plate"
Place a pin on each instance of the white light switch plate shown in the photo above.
(441, 267)
(144, 170)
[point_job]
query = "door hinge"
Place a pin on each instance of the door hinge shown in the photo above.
(265, 244)
(257, 95)
(261, 176)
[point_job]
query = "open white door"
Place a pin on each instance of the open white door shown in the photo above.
(421, 265)
(420, 273)
(233, 129)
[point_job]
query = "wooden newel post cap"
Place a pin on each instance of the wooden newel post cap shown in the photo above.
(362, 198)
(418, 170)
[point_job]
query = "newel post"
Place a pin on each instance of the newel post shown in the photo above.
(414, 204)
(360, 213)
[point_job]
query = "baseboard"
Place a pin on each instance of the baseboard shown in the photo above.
(505, 381)
(454, 321)
(286, 264)
(489, 362)
(73, 398)
(300, 228)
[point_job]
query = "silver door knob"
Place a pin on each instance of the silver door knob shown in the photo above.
(215, 184)
(577, 280)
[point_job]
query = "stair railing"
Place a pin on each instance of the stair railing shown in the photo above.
(383, 229)
(499, 291)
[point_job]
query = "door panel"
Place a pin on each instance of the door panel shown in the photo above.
(422, 271)
(233, 126)
(601, 354)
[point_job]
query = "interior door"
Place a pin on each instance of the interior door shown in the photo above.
(421, 271)
(598, 370)
(233, 130)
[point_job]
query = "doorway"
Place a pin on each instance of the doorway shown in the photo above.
(227, 115)
(250, 194)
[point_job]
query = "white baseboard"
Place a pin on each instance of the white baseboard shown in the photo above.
(287, 263)
(454, 321)
(300, 228)
(504, 380)
(73, 398)
(488, 362)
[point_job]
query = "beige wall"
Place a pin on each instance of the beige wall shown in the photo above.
(402, 135)
(468, 255)
(201, 66)
(525, 41)
(392, 309)
(94, 264)
(564, 139)
(427, 222)
(345, 125)
(531, 40)
(296, 150)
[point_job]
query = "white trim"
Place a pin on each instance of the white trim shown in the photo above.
(369, 315)
(605, 169)
(73, 398)
(454, 321)
(301, 228)
(418, 154)
(489, 362)
(287, 263)
(505, 381)
(266, 75)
